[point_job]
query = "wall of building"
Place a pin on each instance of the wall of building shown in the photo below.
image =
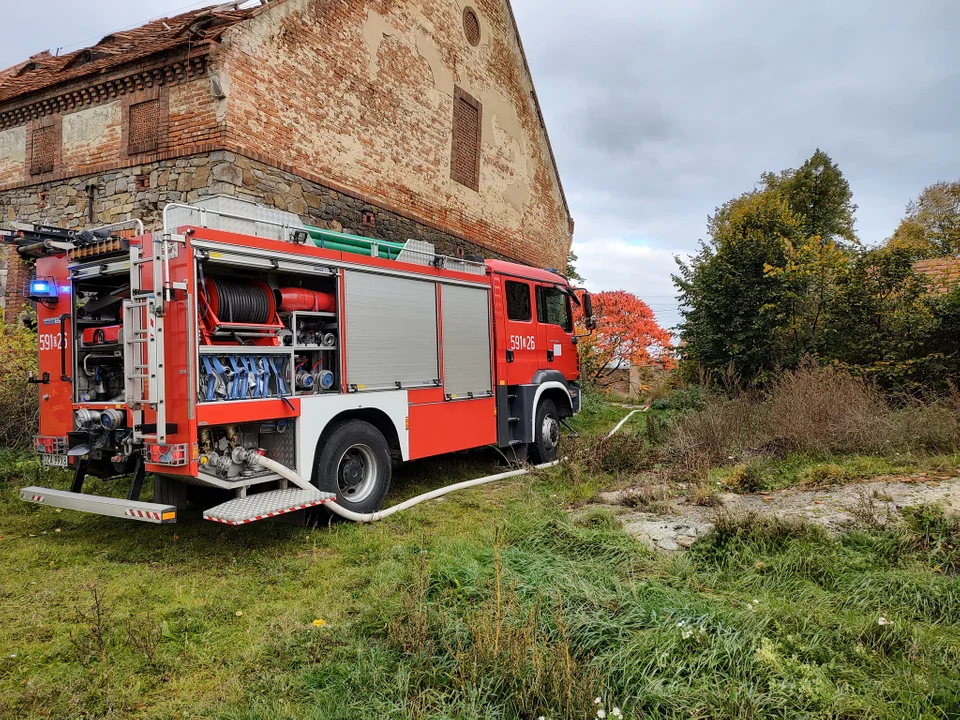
(143, 190)
(92, 137)
(360, 92)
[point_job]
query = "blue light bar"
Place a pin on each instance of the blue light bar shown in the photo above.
(42, 289)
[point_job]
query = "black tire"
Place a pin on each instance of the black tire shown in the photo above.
(167, 491)
(546, 433)
(354, 464)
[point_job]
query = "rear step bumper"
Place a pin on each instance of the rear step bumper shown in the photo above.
(99, 505)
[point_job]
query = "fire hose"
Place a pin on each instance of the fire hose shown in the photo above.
(293, 477)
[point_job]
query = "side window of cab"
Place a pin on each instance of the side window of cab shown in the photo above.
(553, 307)
(518, 301)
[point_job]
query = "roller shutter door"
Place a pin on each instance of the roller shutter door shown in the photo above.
(466, 341)
(391, 331)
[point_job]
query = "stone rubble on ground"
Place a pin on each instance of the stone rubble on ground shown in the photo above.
(836, 509)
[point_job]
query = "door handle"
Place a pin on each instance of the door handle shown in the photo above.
(549, 355)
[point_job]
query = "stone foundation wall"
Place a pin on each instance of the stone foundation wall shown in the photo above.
(142, 192)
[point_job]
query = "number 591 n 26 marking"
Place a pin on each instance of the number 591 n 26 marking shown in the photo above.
(523, 342)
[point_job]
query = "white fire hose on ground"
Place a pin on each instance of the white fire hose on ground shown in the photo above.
(300, 482)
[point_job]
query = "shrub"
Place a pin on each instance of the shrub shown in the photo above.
(933, 427)
(624, 452)
(683, 400)
(19, 402)
(821, 410)
(723, 428)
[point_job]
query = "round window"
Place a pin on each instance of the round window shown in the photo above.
(471, 26)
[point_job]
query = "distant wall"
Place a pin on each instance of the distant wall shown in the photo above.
(362, 93)
(143, 190)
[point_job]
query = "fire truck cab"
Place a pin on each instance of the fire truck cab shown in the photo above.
(236, 332)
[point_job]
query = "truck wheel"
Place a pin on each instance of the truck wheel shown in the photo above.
(167, 491)
(354, 465)
(546, 433)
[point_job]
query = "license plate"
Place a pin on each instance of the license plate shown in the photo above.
(59, 461)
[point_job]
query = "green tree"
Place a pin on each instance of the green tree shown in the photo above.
(756, 295)
(572, 273)
(820, 195)
(931, 227)
(727, 292)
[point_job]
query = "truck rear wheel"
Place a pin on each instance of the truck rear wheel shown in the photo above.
(354, 465)
(546, 433)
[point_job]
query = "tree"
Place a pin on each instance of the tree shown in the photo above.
(755, 295)
(572, 273)
(627, 334)
(931, 227)
(819, 194)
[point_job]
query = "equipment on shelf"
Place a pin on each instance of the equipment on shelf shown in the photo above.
(303, 300)
(250, 304)
(245, 376)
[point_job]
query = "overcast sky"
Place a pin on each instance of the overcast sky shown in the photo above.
(660, 110)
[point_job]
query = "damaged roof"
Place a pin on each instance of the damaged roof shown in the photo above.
(192, 30)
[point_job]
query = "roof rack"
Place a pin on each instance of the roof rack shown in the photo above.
(247, 218)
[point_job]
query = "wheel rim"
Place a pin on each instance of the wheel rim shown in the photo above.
(356, 474)
(550, 432)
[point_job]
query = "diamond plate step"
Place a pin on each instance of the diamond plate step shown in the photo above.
(261, 506)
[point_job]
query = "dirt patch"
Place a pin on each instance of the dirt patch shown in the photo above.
(837, 509)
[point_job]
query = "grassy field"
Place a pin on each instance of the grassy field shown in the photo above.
(490, 603)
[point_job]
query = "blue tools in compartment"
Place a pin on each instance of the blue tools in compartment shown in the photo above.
(244, 376)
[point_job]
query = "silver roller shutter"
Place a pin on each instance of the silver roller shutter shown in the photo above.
(391, 327)
(466, 340)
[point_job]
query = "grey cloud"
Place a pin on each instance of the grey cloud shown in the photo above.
(660, 110)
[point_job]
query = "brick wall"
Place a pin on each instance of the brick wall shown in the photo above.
(92, 137)
(942, 273)
(361, 93)
(143, 190)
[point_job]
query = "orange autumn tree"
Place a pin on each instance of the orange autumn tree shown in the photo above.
(627, 334)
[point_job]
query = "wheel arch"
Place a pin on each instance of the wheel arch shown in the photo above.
(374, 416)
(556, 391)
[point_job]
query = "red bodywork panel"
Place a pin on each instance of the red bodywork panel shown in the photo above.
(56, 350)
(444, 427)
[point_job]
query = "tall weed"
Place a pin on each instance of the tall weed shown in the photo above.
(19, 401)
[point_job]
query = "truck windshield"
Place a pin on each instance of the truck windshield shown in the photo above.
(553, 308)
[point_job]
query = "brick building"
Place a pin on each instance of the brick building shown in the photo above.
(397, 120)
(942, 274)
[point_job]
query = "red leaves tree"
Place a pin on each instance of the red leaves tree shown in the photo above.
(627, 334)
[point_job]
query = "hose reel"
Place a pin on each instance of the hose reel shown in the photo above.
(250, 304)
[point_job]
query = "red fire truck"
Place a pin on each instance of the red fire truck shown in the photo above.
(238, 333)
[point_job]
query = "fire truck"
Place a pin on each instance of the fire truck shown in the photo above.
(236, 342)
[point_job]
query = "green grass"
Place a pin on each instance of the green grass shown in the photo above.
(204, 621)
(767, 473)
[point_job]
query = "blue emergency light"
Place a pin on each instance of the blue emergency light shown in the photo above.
(42, 289)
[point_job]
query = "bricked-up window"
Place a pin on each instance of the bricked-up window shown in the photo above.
(43, 150)
(144, 127)
(471, 26)
(465, 155)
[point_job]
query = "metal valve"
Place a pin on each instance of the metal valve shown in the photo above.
(86, 417)
(113, 419)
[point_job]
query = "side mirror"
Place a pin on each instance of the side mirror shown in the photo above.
(591, 321)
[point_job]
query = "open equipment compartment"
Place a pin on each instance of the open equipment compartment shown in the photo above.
(263, 335)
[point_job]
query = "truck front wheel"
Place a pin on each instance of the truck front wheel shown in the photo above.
(546, 433)
(354, 465)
